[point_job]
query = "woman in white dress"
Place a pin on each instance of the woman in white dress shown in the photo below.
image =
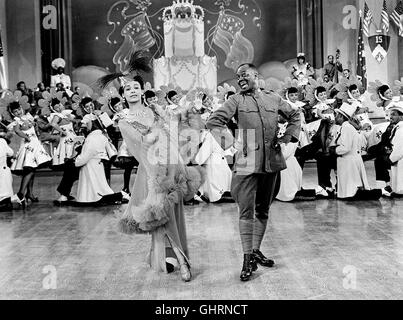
(31, 154)
(302, 71)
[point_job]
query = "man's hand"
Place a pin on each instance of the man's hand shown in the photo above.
(286, 139)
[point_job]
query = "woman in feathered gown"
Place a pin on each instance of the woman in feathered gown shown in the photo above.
(162, 183)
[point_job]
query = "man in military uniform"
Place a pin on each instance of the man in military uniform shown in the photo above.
(256, 178)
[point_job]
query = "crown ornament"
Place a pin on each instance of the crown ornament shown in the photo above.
(183, 10)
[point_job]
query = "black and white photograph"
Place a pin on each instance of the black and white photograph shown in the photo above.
(178, 151)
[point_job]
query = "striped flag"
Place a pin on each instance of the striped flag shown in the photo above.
(397, 17)
(3, 79)
(368, 18)
(361, 60)
(385, 17)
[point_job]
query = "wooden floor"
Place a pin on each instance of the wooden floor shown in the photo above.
(318, 247)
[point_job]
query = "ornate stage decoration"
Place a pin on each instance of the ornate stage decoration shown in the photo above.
(380, 42)
(179, 46)
(379, 45)
(137, 31)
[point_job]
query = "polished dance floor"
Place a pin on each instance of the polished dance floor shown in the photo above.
(323, 250)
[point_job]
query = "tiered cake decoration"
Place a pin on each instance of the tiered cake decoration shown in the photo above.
(185, 63)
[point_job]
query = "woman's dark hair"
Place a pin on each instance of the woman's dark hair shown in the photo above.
(112, 104)
(301, 57)
(115, 101)
(352, 87)
(54, 102)
(171, 94)
(13, 106)
(320, 89)
(20, 83)
(149, 94)
(86, 100)
(382, 89)
(138, 79)
(292, 90)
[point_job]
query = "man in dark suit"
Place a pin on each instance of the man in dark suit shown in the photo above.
(256, 178)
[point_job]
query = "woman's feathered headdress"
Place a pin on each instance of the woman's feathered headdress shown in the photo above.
(139, 62)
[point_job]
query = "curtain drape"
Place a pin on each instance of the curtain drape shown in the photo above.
(56, 43)
(310, 30)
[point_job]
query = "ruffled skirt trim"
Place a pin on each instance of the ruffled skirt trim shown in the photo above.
(156, 209)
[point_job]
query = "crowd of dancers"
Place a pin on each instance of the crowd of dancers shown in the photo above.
(77, 132)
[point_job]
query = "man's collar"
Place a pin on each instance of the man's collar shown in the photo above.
(251, 92)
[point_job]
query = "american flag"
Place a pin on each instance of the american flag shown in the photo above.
(385, 17)
(368, 17)
(397, 17)
(3, 79)
(361, 61)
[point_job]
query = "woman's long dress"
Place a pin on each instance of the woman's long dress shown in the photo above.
(161, 185)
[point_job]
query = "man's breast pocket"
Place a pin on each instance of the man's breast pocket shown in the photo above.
(270, 109)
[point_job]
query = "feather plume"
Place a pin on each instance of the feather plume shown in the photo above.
(109, 78)
(139, 61)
